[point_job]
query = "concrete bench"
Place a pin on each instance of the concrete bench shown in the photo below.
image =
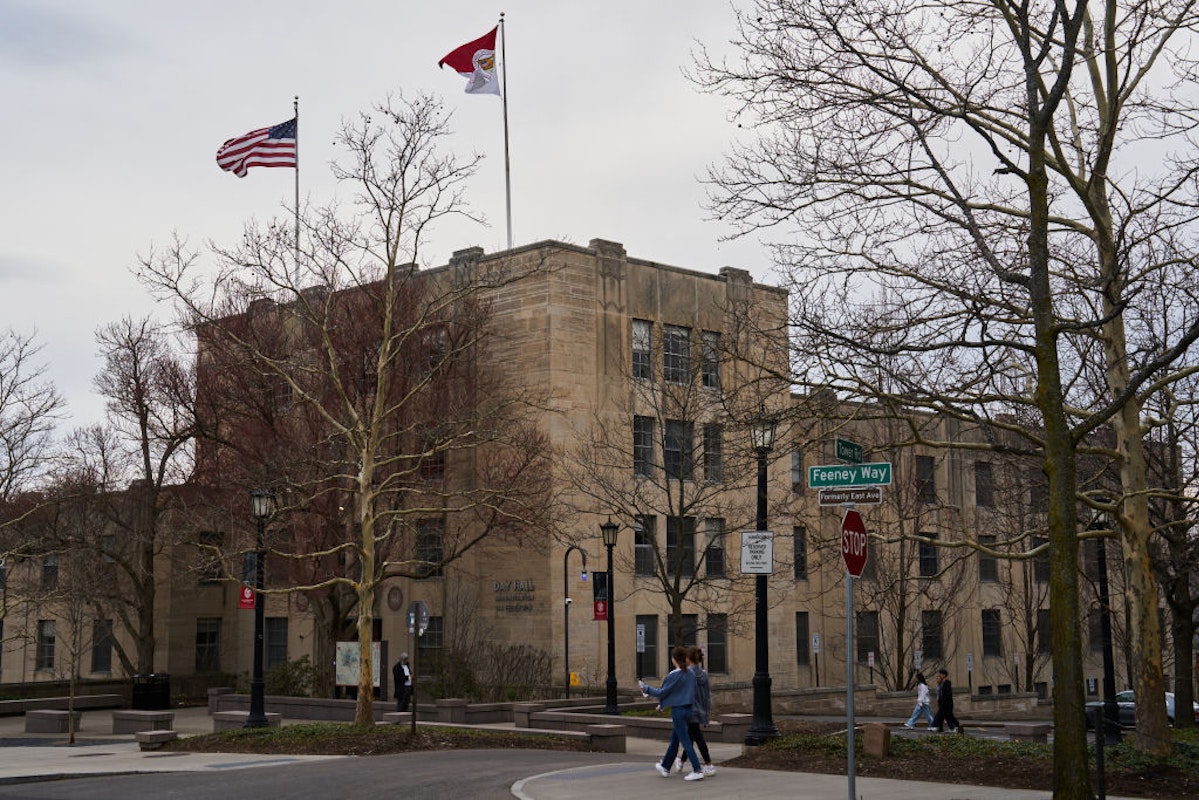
(230, 720)
(50, 720)
(134, 720)
(1028, 731)
(154, 740)
(607, 737)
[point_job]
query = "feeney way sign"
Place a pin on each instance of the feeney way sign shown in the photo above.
(853, 542)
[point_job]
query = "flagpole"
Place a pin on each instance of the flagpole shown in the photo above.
(504, 89)
(296, 107)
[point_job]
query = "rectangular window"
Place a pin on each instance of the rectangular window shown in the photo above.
(929, 566)
(430, 547)
(797, 477)
(930, 634)
(711, 363)
(676, 354)
(867, 630)
(926, 479)
(992, 636)
(643, 446)
(678, 456)
(713, 453)
(50, 573)
(988, 567)
(799, 541)
(432, 464)
(984, 485)
(1038, 490)
(647, 662)
(1044, 630)
(1095, 630)
(645, 546)
(275, 634)
(209, 568)
(714, 550)
(208, 644)
(803, 640)
(45, 644)
(643, 348)
(680, 546)
(690, 629)
(102, 645)
(716, 656)
(429, 649)
(1090, 559)
(1040, 562)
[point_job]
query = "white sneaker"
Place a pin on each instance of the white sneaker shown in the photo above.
(663, 771)
(694, 776)
(678, 765)
(909, 727)
(709, 769)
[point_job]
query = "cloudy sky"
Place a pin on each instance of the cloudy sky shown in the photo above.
(112, 112)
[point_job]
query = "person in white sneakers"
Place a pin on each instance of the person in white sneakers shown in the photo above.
(677, 693)
(701, 711)
(922, 704)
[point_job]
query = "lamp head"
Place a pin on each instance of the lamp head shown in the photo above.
(262, 503)
(609, 530)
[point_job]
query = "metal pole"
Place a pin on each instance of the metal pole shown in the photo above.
(257, 717)
(610, 706)
(849, 657)
(1111, 722)
(762, 727)
(566, 613)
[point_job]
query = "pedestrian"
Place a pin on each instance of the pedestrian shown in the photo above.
(701, 711)
(945, 715)
(401, 675)
(677, 693)
(922, 704)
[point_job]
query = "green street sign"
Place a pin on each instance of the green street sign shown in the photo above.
(849, 452)
(878, 474)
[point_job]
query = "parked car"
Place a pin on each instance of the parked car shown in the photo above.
(1126, 709)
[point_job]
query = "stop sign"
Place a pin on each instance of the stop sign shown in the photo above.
(853, 542)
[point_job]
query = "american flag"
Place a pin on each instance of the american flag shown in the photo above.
(265, 147)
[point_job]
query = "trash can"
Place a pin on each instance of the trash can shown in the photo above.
(151, 692)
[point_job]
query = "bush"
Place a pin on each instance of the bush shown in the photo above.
(291, 679)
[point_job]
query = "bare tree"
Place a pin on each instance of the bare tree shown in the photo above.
(30, 407)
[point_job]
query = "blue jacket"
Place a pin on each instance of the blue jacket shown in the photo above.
(676, 691)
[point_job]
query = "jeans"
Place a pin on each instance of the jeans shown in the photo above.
(928, 713)
(679, 716)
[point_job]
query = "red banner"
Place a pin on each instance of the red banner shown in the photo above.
(601, 610)
(246, 600)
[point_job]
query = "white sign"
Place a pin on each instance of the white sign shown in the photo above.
(970, 662)
(640, 637)
(347, 663)
(757, 552)
(870, 659)
(918, 660)
(816, 643)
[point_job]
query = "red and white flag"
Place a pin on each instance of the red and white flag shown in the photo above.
(475, 61)
(266, 147)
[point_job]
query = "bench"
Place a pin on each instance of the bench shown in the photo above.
(132, 721)
(154, 740)
(231, 720)
(50, 720)
(1028, 731)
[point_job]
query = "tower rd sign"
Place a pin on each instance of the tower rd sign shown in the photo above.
(853, 542)
(878, 474)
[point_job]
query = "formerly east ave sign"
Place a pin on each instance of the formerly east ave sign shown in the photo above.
(878, 474)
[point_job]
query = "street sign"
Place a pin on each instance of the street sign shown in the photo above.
(866, 495)
(757, 552)
(970, 662)
(877, 474)
(849, 452)
(853, 543)
(640, 637)
(918, 659)
(816, 643)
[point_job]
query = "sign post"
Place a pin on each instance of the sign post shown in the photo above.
(853, 550)
(418, 623)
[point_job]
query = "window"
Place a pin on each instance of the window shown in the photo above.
(643, 446)
(713, 453)
(992, 638)
(679, 450)
(208, 644)
(796, 470)
(432, 464)
(930, 634)
(1095, 630)
(714, 552)
(690, 629)
(716, 656)
(984, 485)
(275, 635)
(1040, 562)
(50, 572)
(430, 547)
(647, 662)
(643, 348)
(676, 354)
(102, 645)
(799, 539)
(45, 644)
(429, 649)
(210, 570)
(710, 373)
(803, 640)
(867, 635)
(1038, 490)
(680, 546)
(1044, 630)
(926, 479)
(645, 545)
(988, 567)
(928, 555)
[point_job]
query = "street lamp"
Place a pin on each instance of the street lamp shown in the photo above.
(762, 428)
(609, 530)
(262, 503)
(566, 604)
(1111, 711)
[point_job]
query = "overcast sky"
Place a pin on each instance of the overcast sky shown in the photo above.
(112, 113)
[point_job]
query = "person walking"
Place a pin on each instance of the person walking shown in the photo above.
(701, 711)
(945, 713)
(677, 693)
(922, 704)
(401, 676)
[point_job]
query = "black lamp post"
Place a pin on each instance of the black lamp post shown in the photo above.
(609, 530)
(566, 604)
(762, 428)
(262, 502)
(1111, 710)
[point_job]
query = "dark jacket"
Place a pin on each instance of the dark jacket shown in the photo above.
(701, 706)
(945, 695)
